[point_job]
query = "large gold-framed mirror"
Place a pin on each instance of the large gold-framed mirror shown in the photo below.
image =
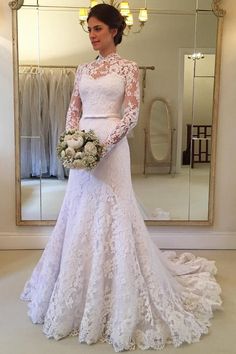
(178, 52)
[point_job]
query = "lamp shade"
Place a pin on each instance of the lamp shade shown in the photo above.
(124, 8)
(129, 20)
(83, 14)
(143, 16)
(93, 3)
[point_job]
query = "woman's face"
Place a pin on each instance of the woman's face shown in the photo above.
(100, 35)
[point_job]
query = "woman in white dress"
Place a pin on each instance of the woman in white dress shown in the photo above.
(101, 277)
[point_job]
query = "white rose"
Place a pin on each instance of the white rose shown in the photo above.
(79, 155)
(67, 137)
(90, 148)
(70, 152)
(75, 144)
(78, 134)
(63, 154)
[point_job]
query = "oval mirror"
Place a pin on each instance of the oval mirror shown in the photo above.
(160, 130)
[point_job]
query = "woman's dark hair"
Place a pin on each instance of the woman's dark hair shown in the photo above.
(109, 15)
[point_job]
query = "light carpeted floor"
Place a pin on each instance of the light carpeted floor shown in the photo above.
(19, 336)
(184, 195)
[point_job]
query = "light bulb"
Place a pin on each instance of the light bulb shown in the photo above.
(129, 20)
(83, 14)
(124, 8)
(143, 16)
(196, 56)
(93, 3)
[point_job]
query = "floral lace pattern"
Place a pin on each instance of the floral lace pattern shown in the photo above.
(75, 107)
(102, 88)
(101, 277)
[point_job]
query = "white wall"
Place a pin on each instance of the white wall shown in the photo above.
(221, 235)
(44, 41)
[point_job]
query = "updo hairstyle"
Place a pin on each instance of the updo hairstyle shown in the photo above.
(111, 16)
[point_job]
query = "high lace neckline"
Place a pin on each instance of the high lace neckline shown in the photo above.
(112, 55)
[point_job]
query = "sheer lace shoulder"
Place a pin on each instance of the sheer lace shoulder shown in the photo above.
(130, 72)
(119, 92)
(75, 108)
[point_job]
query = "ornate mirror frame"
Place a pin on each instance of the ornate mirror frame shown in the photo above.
(219, 13)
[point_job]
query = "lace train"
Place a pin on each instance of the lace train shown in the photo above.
(103, 279)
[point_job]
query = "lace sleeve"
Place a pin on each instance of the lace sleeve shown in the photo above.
(75, 107)
(131, 108)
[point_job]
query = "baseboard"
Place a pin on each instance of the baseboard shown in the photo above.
(22, 241)
(195, 240)
(167, 240)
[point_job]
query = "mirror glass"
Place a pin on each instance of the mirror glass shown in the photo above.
(203, 72)
(171, 145)
(159, 130)
(29, 116)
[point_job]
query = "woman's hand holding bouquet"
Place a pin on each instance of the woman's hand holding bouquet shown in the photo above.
(79, 149)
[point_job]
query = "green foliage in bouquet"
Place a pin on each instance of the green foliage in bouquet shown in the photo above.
(79, 149)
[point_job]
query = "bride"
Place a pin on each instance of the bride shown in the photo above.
(101, 277)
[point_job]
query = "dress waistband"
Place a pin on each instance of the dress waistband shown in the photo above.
(101, 116)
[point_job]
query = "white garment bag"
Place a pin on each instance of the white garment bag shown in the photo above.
(44, 100)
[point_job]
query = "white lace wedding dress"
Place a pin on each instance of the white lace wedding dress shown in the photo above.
(101, 277)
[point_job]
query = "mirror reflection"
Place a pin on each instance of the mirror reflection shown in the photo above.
(171, 145)
(160, 130)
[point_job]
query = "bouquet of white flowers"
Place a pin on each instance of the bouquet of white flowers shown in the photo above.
(79, 149)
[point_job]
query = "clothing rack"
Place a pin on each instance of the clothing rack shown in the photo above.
(147, 67)
(49, 66)
(142, 67)
(74, 67)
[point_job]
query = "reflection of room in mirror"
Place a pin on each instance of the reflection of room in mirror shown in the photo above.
(158, 138)
(159, 132)
(44, 43)
(199, 192)
(183, 197)
(197, 108)
(159, 197)
(44, 95)
(44, 204)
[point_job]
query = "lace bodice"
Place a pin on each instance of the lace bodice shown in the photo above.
(108, 87)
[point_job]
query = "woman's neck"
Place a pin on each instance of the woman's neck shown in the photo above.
(105, 53)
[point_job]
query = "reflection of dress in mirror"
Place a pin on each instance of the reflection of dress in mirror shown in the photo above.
(101, 277)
